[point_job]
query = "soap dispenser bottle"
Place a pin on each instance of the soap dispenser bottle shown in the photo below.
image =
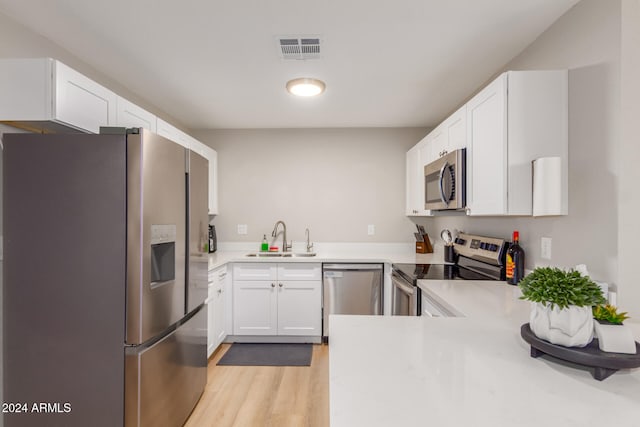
(265, 244)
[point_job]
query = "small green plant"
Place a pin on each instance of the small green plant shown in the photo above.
(560, 288)
(609, 313)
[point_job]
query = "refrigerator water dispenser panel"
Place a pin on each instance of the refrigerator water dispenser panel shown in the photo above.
(163, 254)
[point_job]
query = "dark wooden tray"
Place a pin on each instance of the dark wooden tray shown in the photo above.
(604, 364)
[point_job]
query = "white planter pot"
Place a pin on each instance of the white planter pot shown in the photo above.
(570, 327)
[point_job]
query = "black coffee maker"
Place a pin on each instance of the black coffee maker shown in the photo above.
(213, 240)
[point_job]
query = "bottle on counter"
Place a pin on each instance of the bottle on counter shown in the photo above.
(265, 244)
(515, 261)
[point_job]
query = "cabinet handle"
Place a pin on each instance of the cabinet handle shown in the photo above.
(273, 285)
(280, 284)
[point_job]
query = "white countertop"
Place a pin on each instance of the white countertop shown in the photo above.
(467, 371)
(326, 253)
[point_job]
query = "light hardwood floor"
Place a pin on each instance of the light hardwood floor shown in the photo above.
(265, 395)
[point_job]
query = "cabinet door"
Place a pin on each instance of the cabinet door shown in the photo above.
(412, 181)
(173, 133)
(166, 130)
(487, 150)
(417, 157)
(456, 129)
(255, 308)
(81, 102)
(211, 326)
(211, 155)
(219, 331)
(217, 302)
(439, 145)
(300, 308)
(213, 182)
(130, 115)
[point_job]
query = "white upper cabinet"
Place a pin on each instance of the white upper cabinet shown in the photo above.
(211, 155)
(173, 133)
(456, 129)
(44, 94)
(129, 115)
(487, 150)
(449, 135)
(438, 145)
(519, 117)
(417, 157)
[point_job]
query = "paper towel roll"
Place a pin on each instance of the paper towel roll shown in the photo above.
(548, 188)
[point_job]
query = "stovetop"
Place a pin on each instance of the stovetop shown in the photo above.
(477, 258)
(414, 272)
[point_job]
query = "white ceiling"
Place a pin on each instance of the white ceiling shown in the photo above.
(215, 63)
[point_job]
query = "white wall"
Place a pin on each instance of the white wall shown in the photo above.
(333, 181)
(587, 41)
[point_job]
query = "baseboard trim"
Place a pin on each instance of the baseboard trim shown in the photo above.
(272, 339)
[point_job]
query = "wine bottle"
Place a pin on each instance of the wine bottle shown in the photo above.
(515, 261)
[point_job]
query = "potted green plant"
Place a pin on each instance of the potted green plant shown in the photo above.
(608, 315)
(561, 309)
(612, 335)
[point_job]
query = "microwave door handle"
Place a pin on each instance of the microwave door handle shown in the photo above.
(441, 180)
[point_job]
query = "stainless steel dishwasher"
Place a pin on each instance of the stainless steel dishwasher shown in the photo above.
(351, 289)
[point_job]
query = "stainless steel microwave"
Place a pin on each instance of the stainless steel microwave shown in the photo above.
(445, 182)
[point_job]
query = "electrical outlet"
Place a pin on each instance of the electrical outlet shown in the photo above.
(242, 228)
(545, 247)
(371, 229)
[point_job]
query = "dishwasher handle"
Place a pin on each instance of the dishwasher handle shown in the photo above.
(353, 267)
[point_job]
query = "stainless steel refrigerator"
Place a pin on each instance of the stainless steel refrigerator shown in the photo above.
(104, 262)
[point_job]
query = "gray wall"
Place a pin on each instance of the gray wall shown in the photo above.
(333, 181)
(586, 41)
(629, 153)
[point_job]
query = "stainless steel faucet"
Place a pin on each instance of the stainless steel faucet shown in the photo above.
(285, 246)
(309, 245)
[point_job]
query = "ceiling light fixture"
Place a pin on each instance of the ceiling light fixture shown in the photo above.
(305, 87)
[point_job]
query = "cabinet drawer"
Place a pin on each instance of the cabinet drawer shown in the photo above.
(254, 271)
(298, 271)
(218, 275)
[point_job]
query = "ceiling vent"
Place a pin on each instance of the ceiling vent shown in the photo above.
(299, 47)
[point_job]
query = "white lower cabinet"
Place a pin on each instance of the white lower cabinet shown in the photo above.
(299, 308)
(216, 310)
(255, 308)
(287, 303)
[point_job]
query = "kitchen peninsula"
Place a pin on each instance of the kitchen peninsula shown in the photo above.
(466, 371)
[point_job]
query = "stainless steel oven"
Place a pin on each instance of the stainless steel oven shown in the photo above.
(478, 258)
(405, 297)
(444, 182)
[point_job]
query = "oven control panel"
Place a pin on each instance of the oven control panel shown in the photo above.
(488, 249)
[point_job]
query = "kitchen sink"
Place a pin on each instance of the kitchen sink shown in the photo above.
(280, 254)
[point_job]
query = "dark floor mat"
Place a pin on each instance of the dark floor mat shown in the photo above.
(244, 354)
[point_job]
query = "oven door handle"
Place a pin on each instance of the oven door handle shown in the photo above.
(441, 186)
(407, 289)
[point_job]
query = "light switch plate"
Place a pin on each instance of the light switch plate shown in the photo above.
(545, 247)
(242, 228)
(371, 229)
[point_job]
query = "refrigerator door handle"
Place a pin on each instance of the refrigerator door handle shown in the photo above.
(156, 285)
